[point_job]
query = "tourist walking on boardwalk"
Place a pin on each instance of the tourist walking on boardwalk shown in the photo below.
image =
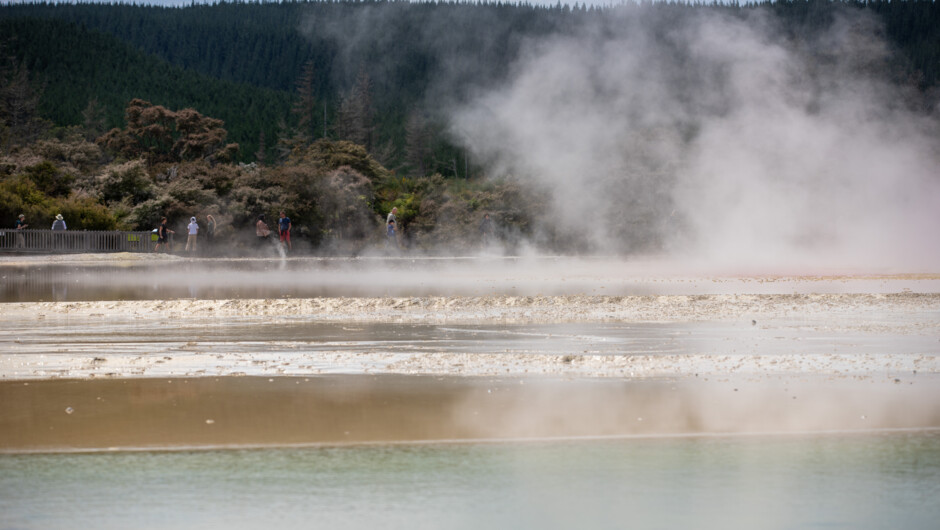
(163, 236)
(283, 230)
(193, 228)
(21, 224)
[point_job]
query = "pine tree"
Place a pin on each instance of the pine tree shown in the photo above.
(305, 104)
(260, 153)
(355, 117)
(93, 119)
(20, 123)
(418, 143)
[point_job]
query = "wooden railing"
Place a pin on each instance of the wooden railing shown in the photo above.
(55, 241)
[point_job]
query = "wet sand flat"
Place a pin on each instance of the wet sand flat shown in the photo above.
(868, 335)
(575, 348)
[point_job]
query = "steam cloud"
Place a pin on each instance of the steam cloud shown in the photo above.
(722, 142)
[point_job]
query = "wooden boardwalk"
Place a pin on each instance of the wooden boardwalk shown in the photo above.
(75, 241)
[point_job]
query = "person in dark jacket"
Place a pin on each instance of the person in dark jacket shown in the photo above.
(163, 236)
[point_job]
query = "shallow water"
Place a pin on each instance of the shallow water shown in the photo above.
(334, 277)
(883, 480)
(808, 442)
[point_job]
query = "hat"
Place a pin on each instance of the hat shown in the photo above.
(58, 216)
(22, 216)
(192, 219)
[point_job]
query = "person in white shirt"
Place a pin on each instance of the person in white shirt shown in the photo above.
(193, 227)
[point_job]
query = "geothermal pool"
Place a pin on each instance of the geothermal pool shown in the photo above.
(423, 392)
(162, 277)
(879, 480)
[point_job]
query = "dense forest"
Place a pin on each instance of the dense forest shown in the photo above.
(117, 114)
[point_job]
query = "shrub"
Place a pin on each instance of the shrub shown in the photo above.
(83, 212)
(344, 203)
(125, 181)
(49, 179)
(74, 152)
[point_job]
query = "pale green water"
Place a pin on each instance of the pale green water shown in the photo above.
(887, 480)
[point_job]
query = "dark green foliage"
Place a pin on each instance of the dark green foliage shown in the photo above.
(20, 122)
(128, 182)
(350, 92)
(84, 213)
(21, 195)
(49, 179)
(248, 64)
(159, 134)
(88, 78)
(328, 156)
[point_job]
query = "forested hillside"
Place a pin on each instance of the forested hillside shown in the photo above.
(128, 112)
(400, 60)
(73, 66)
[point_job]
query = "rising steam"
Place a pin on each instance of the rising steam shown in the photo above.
(717, 139)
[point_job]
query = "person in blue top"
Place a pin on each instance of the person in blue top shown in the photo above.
(21, 224)
(283, 230)
(391, 238)
(391, 229)
(59, 226)
(59, 223)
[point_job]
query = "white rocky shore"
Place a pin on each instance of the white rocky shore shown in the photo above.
(871, 336)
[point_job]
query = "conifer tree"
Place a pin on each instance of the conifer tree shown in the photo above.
(20, 123)
(418, 143)
(305, 104)
(355, 117)
(260, 153)
(93, 119)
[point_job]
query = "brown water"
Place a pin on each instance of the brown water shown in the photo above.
(262, 412)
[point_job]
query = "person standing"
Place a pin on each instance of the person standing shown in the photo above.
(391, 238)
(391, 229)
(210, 233)
(486, 230)
(21, 224)
(193, 228)
(163, 236)
(261, 230)
(59, 223)
(283, 230)
(58, 240)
